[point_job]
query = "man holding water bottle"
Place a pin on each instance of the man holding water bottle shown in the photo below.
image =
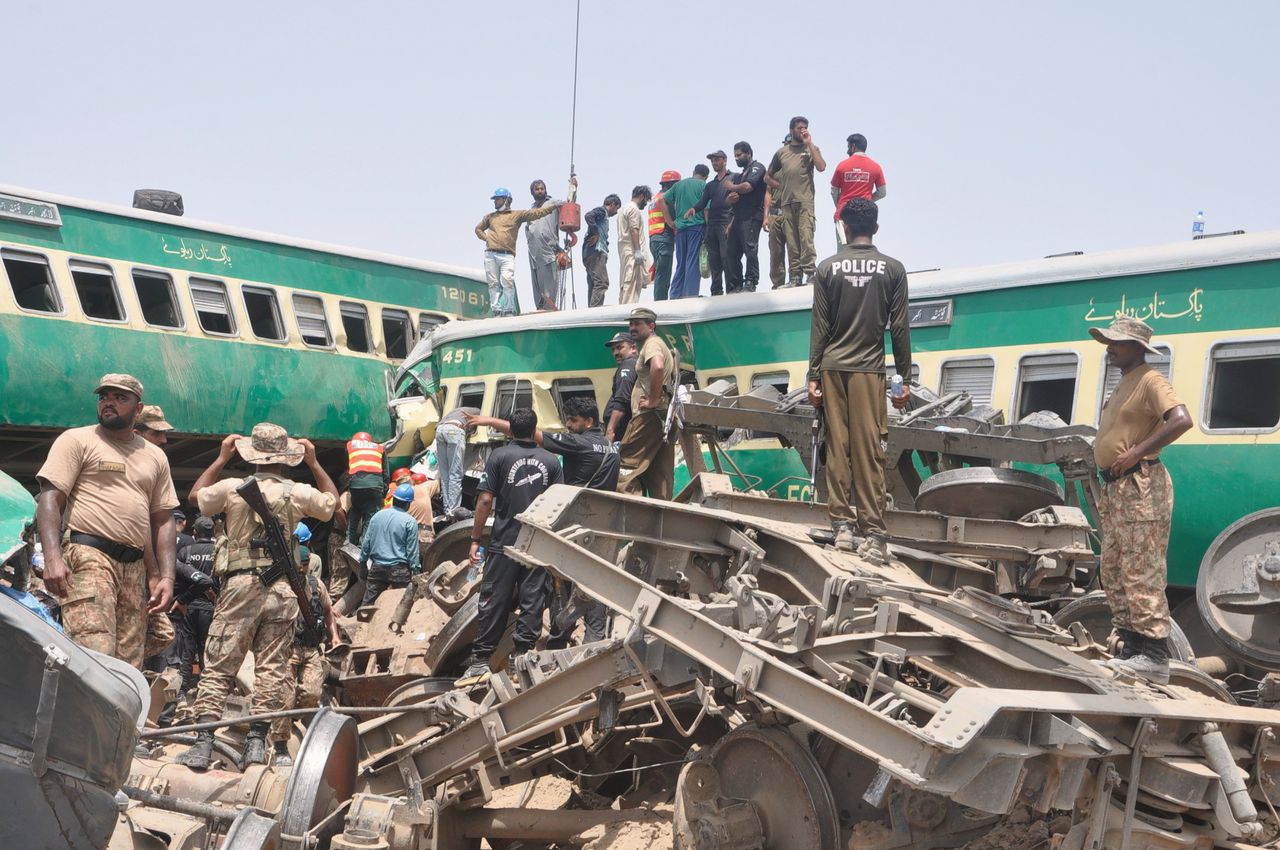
(856, 293)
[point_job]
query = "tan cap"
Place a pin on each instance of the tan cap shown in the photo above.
(128, 383)
(270, 444)
(644, 313)
(1126, 329)
(152, 416)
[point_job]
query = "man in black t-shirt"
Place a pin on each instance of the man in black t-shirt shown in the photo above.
(746, 194)
(617, 410)
(514, 476)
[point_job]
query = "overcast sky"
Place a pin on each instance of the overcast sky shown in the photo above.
(1006, 130)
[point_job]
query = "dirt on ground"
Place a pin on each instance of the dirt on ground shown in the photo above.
(654, 832)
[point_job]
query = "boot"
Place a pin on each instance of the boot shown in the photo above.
(476, 673)
(280, 755)
(1152, 663)
(255, 744)
(1130, 645)
(874, 549)
(845, 539)
(200, 754)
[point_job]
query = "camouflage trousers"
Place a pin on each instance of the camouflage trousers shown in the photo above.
(160, 635)
(340, 577)
(303, 683)
(247, 617)
(1135, 512)
(106, 610)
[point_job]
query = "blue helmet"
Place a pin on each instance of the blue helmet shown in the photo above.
(302, 532)
(501, 192)
(403, 493)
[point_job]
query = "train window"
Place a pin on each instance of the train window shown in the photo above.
(157, 298)
(313, 326)
(264, 313)
(1111, 376)
(780, 381)
(355, 324)
(427, 322)
(566, 388)
(471, 395)
(213, 310)
(732, 382)
(1047, 382)
(974, 376)
(96, 288)
(1244, 386)
(395, 333)
(31, 280)
(513, 393)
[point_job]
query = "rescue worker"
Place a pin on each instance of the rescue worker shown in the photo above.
(401, 476)
(662, 238)
(305, 672)
(249, 615)
(857, 292)
(617, 412)
(365, 482)
(589, 460)
(499, 231)
(647, 452)
(117, 496)
(424, 490)
(390, 546)
(514, 476)
(451, 453)
(1142, 416)
(546, 255)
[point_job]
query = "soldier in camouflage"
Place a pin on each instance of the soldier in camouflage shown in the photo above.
(248, 615)
(1141, 417)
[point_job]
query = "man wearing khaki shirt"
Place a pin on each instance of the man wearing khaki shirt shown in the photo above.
(117, 495)
(633, 248)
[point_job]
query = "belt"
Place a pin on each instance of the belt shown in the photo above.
(246, 571)
(113, 550)
(1109, 478)
(500, 251)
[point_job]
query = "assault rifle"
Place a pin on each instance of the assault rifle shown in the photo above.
(282, 561)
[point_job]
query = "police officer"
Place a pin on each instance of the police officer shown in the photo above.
(617, 411)
(306, 669)
(1142, 416)
(390, 546)
(857, 293)
(514, 476)
(192, 610)
(249, 615)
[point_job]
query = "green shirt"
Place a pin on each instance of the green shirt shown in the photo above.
(682, 196)
(792, 166)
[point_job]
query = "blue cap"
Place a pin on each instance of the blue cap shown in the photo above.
(403, 493)
(501, 192)
(302, 532)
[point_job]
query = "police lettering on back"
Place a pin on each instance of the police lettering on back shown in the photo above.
(858, 272)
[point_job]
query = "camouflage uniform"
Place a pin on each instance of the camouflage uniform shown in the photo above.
(304, 679)
(160, 635)
(247, 617)
(106, 610)
(1135, 512)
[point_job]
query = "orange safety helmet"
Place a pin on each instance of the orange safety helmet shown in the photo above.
(402, 472)
(362, 435)
(669, 176)
(417, 478)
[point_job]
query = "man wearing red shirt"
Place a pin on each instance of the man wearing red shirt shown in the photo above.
(859, 176)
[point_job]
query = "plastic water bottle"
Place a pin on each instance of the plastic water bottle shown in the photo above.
(473, 569)
(895, 387)
(1197, 225)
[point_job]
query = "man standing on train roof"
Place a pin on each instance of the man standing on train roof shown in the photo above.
(595, 248)
(365, 482)
(390, 546)
(662, 238)
(116, 494)
(545, 250)
(746, 193)
(499, 231)
(249, 615)
(1142, 416)
(646, 450)
(514, 476)
(856, 293)
(790, 176)
(634, 262)
(617, 412)
(676, 201)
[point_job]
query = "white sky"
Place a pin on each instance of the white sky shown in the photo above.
(1006, 130)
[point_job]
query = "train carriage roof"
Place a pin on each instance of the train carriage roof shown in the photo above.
(1223, 250)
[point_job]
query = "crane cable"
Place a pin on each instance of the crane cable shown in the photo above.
(571, 239)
